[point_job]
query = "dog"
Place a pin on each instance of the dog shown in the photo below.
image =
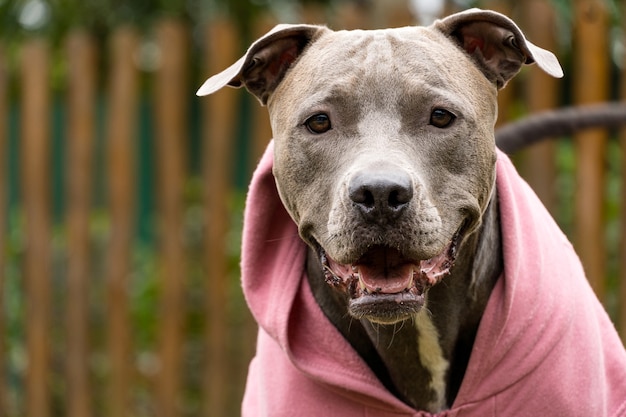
(396, 263)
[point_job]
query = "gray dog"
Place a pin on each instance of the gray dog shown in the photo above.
(432, 279)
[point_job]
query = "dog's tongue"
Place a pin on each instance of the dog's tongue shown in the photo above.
(384, 270)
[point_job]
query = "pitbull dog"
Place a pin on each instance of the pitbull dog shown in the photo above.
(384, 157)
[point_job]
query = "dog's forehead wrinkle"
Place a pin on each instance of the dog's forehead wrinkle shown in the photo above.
(337, 96)
(377, 51)
(367, 43)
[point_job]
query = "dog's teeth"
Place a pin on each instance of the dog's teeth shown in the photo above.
(412, 280)
(355, 272)
(362, 284)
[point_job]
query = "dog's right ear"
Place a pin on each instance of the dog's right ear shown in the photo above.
(262, 68)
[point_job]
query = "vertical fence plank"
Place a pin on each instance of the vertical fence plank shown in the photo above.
(218, 137)
(35, 153)
(591, 85)
(80, 50)
(121, 124)
(171, 135)
(4, 110)
(541, 93)
(622, 266)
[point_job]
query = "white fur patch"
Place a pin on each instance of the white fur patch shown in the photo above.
(431, 357)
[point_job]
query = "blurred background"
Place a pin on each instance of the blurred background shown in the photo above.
(121, 192)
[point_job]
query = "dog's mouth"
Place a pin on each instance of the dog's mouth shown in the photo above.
(383, 285)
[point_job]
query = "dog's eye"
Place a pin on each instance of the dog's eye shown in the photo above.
(441, 118)
(318, 123)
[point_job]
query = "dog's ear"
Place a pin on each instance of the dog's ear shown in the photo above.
(496, 44)
(262, 68)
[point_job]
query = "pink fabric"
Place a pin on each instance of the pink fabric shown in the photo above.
(545, 345)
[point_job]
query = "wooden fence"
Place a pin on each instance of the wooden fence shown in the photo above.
(95, 322)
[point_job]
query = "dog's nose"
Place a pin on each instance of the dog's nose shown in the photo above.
(380, 194)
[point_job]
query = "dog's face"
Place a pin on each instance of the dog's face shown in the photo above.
(384, 148)
(383, 160)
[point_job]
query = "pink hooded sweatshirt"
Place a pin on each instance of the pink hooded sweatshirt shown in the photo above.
(545, 346)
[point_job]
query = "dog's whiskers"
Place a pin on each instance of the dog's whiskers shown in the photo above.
(282, 238)
(396, 330)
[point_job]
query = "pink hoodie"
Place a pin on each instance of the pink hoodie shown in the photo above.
(545, 346)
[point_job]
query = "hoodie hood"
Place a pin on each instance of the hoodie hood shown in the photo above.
(545, 345)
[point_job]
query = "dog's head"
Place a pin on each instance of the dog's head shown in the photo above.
(384, 147)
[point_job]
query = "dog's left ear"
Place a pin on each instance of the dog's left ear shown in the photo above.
(496, 44)
(267, 60)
